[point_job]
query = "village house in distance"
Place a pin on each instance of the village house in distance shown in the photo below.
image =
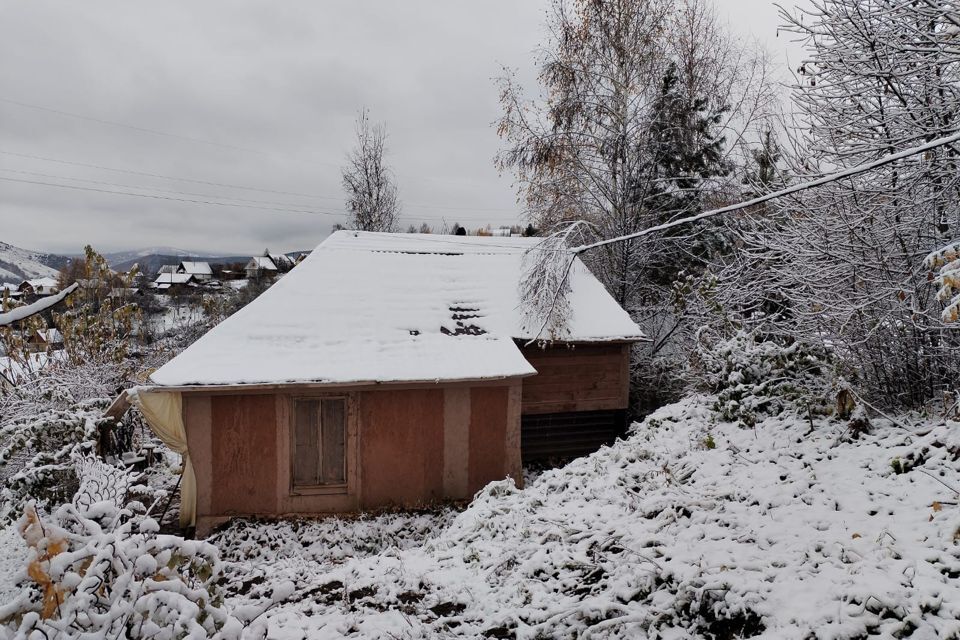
(389, 370)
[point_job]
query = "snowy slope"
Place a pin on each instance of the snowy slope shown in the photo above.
(17, 265)
(775, 533)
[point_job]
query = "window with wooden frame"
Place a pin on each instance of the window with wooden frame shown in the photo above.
(319, 443)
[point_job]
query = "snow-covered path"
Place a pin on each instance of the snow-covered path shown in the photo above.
(773, 533)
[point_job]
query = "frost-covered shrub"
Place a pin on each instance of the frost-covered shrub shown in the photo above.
(946, 262)
(752, 377)
(101, 569)
(37, 454)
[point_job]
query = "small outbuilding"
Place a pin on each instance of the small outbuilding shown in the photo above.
(388, 370)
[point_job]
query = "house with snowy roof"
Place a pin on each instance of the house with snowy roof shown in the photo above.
(45, 286)
(388, 370)
(175, 282)
(261, 267)
(45, 339)
(199, 270)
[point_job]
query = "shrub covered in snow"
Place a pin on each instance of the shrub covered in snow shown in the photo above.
(753, 377)
(946, 262)
(39, 452)
(99, 568)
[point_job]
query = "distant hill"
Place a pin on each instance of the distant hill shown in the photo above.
(17, 265)
(122, 257)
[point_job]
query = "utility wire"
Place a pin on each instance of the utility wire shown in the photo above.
(159, 197)
(207, 198)
(803, 186)
(164, 177)
(155, 132)
(69, 114)
(143, 188)
(236, 186)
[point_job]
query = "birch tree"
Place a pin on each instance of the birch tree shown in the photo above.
(369, 184)
(848, 259)
(647, 105)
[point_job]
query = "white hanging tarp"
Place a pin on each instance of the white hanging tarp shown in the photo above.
(163, 411)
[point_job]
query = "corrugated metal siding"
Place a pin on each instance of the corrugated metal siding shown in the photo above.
(568, 435)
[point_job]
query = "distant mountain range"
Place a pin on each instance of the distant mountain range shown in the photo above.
(122, 257)
(17, 265)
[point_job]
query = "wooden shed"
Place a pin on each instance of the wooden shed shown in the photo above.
(391, 370)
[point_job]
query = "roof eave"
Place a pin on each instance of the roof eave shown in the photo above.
(306, 384)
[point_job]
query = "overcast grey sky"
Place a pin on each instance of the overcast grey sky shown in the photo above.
(260, 95)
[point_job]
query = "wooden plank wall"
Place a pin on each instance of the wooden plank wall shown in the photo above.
(244, 454)
(585, 377)
(401, 447)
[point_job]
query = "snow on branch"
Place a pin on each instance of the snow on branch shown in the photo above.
(802, 186)
(947, 261)
(545, 283)
(41, 305)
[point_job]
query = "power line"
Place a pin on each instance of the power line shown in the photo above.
(165, 177)
(236, 186)
(279, 206)
(168, 134)
(142, 188)
(208, 199)
(803, 186)
(148, 130)
(159, 197)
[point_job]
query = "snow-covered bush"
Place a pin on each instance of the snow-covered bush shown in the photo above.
(37, 454)
(99, 568)
(752, 376)
(946, 262)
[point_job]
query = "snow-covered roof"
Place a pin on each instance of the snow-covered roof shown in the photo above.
(281, 260)
(42, 284)
(167, 268)
(173, 278)
(262, 262)
(196, 268)
(371, 307)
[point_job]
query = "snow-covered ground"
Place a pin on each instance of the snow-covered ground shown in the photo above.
(691, 528)
(13, 559)
(175, 316)
(775, 532)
